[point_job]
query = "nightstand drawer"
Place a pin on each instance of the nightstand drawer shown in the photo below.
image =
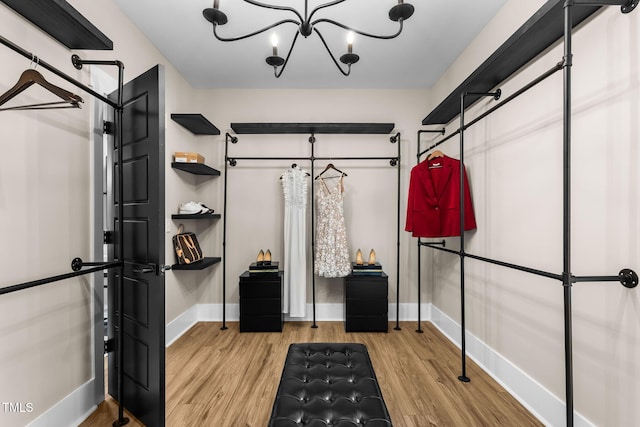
(367, 323)
(367, 306)
(260, 290)
(260, 306)
(261, 323)
(366, 286)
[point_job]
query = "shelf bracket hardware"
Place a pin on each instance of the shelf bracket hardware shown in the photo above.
(109, 346)
(108, 237)
(77, 264)
(442, 243)
(107, 127)
(627, 278)
(628, 8)
(496, 95)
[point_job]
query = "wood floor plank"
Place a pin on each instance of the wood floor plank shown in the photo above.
(229, 379)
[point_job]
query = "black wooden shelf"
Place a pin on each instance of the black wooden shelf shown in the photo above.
(542, 30)
(196, 123)
(62, 22)
(196, 216)
(200, 265)
(312, 128)
(195, 168)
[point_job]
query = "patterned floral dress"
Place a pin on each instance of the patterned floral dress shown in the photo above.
(332, 252)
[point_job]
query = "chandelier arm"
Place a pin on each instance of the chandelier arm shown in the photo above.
(293, 43)
(346, 73)
(271, 6)
(322, 6)
(233, 39)
(362, 33)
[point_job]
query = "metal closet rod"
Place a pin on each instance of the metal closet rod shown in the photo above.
(393, 161)
(95, 267)
(55, 71)
(312, 158)
(541, 78)
(493, 261)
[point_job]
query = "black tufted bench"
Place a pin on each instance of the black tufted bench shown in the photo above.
(328, 385)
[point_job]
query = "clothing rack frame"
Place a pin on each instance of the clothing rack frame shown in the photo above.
(312, 129)
(626, 277)
(77, 265)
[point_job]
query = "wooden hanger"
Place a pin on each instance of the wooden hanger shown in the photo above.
(28, 78)
(330, 166)
(435, 154)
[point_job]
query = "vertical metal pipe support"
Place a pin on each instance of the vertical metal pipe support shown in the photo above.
(418, 154)
(312, 141)
(496, 96)
(120, 342)
(396, 139)
(566, 210)
(228, 137)
(463, 376)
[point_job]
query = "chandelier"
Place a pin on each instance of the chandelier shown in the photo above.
(307, 26)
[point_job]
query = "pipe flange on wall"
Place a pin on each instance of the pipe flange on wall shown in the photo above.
(628, 278)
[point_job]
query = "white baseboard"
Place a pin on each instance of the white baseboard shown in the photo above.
(181, 324)
(324, 313)
(70, 411)
(543, 404)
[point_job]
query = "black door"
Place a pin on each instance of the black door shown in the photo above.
(143, 239)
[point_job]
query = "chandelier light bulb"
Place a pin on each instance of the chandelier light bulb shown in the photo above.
(274, 44)
(350, 37)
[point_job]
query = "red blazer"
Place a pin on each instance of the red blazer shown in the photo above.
(433, 207)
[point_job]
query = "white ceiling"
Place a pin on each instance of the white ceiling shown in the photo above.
(431, 40)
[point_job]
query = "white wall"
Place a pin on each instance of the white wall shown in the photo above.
(255, 201)
(514, 163)
(46, 205)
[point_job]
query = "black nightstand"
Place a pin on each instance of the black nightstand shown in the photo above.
(366, 304)
(261, 302)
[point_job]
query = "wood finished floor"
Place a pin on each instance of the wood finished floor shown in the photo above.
(228, 379)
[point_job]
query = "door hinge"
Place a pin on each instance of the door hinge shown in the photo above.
(109, 346)
(107, 237)
(107, 127)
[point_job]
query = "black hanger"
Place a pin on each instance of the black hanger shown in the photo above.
(330, 166)
(28, 78)
(295, 165)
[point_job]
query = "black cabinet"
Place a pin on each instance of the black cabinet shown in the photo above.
(261, 302)
(366, 304)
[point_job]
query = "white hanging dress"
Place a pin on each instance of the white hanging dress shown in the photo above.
(295, 182)
(332, 251)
